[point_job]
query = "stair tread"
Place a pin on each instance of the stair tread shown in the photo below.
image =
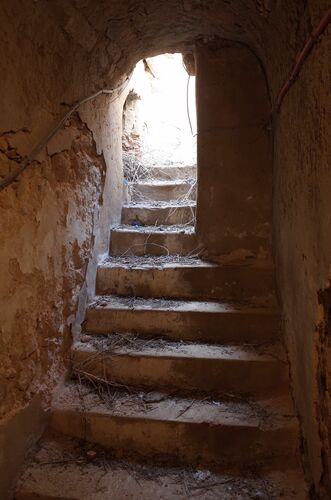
(174, 166)
(160, 204)
(139, 262)
(132, 303)
(163, 183)
(162, 229)
(266, 415)
(162, 349)
(174, 261)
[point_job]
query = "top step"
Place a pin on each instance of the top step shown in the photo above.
(160, 190)
(173, 172)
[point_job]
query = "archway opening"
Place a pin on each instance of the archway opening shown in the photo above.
(159, 141)
(159, 114)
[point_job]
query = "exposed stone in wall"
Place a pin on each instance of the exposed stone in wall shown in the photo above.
(47, 221)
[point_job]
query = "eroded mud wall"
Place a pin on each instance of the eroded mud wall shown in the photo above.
(50, 222)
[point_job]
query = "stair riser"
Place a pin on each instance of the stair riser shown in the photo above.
(182, 442)
(136, 243)
(159, 216)
(218, 376)
(188, 282)
(185, 325)
(162, 193)
(173, 173)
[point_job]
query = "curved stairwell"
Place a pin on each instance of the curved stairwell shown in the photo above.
(179, 364)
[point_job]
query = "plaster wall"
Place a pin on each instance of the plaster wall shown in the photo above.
(54, 220)
(234, 209)
(302, 208)
(55, 53)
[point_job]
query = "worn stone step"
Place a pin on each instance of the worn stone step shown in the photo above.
(212, 322)
(49, 475)
(180, 277)
(151, 240)
(174, 366)
(160, 213)
(196, 432)
(162, 190)
(173, 172)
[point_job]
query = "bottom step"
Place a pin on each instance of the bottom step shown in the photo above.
(185, 431)
(62, 469)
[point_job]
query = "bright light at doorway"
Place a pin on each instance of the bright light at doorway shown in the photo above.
(163, 117)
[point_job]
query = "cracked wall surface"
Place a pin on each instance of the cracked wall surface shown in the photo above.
(47, 220)
(54, 53)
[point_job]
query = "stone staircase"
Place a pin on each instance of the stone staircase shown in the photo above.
(179, 364)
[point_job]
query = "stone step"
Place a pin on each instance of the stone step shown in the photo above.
(183, 430)
(159, 213)
(210, 322)
(161, 190)
(165, 366)
(184, 278)
(50, 475)
(173, 172)
(151, 240)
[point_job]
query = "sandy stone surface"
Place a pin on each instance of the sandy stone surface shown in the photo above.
(62, 469)
(53, 56)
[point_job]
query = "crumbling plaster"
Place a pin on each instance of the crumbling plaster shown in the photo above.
(48, 238)
(53, 53)
(47, 222)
